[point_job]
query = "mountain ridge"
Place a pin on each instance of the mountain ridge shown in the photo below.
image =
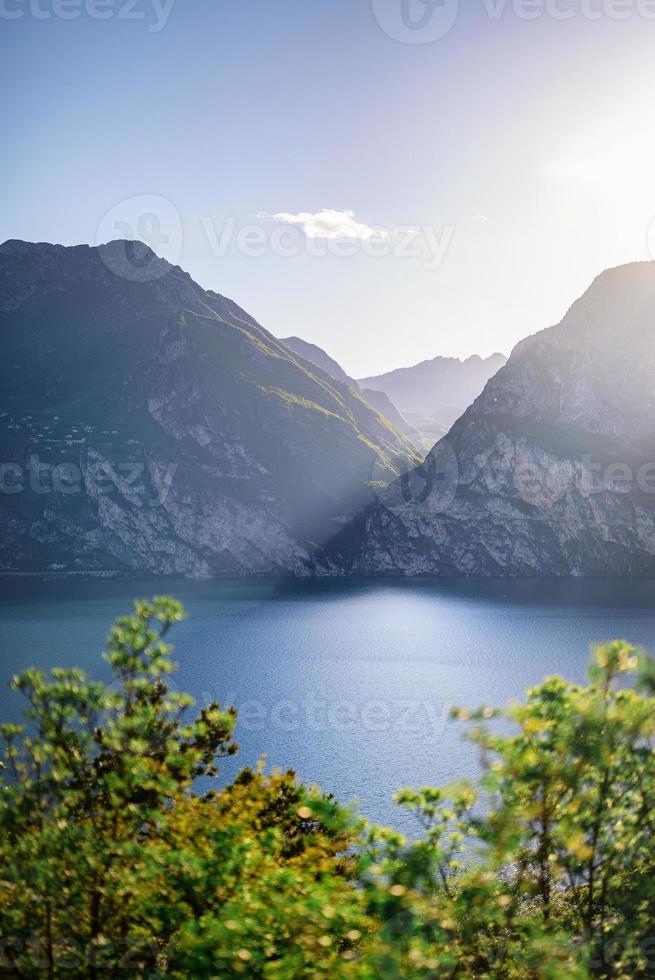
(551, 470)
(436, 390)
(131, 363)
(377, 399)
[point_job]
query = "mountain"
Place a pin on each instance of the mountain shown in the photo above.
(436, 391)
(377, 399)
(316, 355)
(149, 425)
(551, 471)
(383, 404)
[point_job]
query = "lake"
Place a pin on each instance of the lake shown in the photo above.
(348, 682)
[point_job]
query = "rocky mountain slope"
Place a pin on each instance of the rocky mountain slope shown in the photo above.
(148, 425)
(316, 355)
(551, 471)
(377, 399)
(436, 392)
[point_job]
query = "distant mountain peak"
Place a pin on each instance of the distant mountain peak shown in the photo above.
(16, 246)
(438, 389)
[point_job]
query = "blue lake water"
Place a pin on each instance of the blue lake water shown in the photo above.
(348, 682)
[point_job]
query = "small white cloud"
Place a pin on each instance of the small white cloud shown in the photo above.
(480, 219)
(331, 224)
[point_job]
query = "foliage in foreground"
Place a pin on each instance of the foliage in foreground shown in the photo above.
(114, 863)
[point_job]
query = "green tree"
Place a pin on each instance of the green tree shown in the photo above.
(110, 860)
(115, 862)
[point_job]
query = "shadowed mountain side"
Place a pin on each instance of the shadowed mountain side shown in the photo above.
(153, 426)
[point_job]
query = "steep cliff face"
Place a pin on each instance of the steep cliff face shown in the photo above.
(551, 471)
(148, 425)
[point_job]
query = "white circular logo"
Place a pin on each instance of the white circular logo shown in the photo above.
(433, 483)
(416, 21)
(145, 220)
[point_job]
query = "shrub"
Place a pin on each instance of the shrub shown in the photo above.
(115, 862)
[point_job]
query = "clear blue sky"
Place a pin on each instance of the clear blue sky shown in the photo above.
(527, 146)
